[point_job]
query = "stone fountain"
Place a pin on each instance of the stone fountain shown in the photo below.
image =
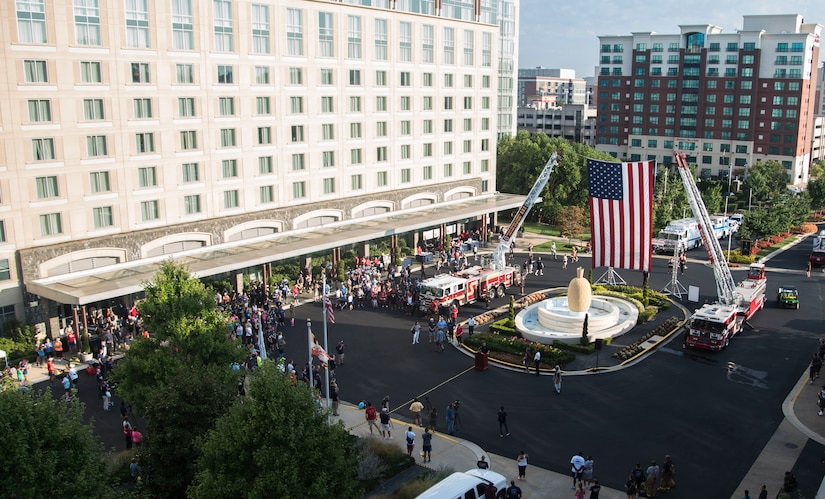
(562, 318)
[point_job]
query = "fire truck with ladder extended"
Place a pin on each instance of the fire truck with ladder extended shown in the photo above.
(713, 325)
(477, 282)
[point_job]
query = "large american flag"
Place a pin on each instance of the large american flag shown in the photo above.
(621, 213)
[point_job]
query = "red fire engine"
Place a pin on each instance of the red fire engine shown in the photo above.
(468, 286)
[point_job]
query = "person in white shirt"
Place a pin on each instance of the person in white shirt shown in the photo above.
(410, 436)
(576, 468)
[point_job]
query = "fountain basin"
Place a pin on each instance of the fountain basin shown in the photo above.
(551, 320)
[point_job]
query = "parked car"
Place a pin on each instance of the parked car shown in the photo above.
(788, 297)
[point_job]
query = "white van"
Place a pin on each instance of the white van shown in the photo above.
(467, 485)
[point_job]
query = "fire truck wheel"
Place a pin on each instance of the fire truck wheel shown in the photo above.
(500, 290)
(491, 294)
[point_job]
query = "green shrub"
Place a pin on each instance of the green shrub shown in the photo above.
(737, 257)
(574, 347)
(647, 314)
(505, 327)
(515, 345)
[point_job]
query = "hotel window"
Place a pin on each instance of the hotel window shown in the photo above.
(427, 173)
(229, 168)
(260, 29)
(427, 42)
(192, 204)
(99, 182)
(86, 22)
(35, 71)
(406, 79)
(326, 76)
(225, 74)
(381, 78)
(355, 104)
(326, 105)
(143, 108)
(355, 157)
(102, 217)
(406, 127)
(354, 37)
(448, 148)
(40, 110)
(355, 130)
(448, 170)
(405, 41)
(427, 79)
(468, 124)
(405, 151)
(485, 144)
(485, 103)
(188, 140)
(406, 176)
(381, 39)
(226, 106)
(140, 72)
(468, 81)
(149, 210)
(298, 190)
(96, 145)
(228, 137)
(448, 80)
(230, 199)
(381, 103)
(137, 23)
(485, 124)
(2, 231)
(486, 50)
(296, 134)
(186, 107)
(485, 81)
(222, 10)
(381, 129)
(468, 103)
(147, 176)
(427, 150)
(329, 186)
(266, 194)
(93, 109)
(296, 76)
(468, 146)
(90, 72)
(448, 103)
(449, 46)
(405, 103)
(46, 187)
(296, 105)
(355, 77)
(262, 75)
(356, 183)
(328, 159)
(427, 103)
(381, 179)
(31, 21)
(381, 153)
(467, 168)
(468, 47)
(427, 127)
(448, 126)
(190, 172)
(297, 162)
(262, 106)
(184, 73)
(294, 32)
(264, 164)
(183, 33)
(485, 165)
(51, 224)
(326, 35)
(144, 142)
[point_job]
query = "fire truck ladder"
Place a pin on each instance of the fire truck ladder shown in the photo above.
(500, 253)
(725, 284)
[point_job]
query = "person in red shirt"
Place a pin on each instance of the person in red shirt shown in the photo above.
(371, 415)
(137, 436)
(71, 340)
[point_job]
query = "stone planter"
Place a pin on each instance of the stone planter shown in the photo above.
(86, 358)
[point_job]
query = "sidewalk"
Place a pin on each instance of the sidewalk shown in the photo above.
(455, 453)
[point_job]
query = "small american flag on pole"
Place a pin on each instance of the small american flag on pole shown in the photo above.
(330, 313)
(621, 213)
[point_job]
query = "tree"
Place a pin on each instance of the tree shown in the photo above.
(178, 414)
(276, 444)
(816, 191)
(760, 223)
(571, 222)
(712, 197)
(766, 180)
(47, 449)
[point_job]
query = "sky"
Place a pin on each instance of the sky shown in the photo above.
(565, 34)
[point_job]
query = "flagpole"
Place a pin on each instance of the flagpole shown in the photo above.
(309, 341)
(327, 303)
(261, 341)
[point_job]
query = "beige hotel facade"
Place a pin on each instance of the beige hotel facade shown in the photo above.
(232, 133)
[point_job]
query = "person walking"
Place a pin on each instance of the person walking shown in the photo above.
(564, 262)
(450, 418)
(431, 327)
(537, 360)
(502, 423)
(334, 394)
(482, 463)
(539, 267)
(410, 436)
(579, 490)
(439, 341)
(459, 334)
(371, 415)
(339, 352)
(521, 461)
(426, 445)
(763, 492)
(557, 379)
(415, 408)
(808, 269)
(386, 425)
(553, 250)
(630, 487)
(587, 472)
(471, 326)
(576, 468)
(668, 477)
(416, 332)
(652, 479)
(525, 360)
(513, 491)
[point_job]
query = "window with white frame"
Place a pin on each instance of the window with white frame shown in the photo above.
(405, 151)
(140, 72)
(295, 32)
(147, 176)
(296, 105)
(149, 210)
(43, 149)
(86, 22)
(405, 102)
(355, 157)
(99, 182)
(137, 23)
(90, 72)
(35, 71)
(468, 168)
(299, 190)
(296, 134)
(328, 159)
(184, 74)
(188, 140)
(228, 137)
(381, 154)
(356, 182)
(427, 102)
(406, 79)
(355, 130)
(381, 103)
(262, 75)
(381, 38)
(468, 47)
(102, 217)
(231, 199)
(353, 37)
(448, 170)
(229, 168)
(298, 162)
(427, 43)
(427, 173)
(40, 110)
(190, 172)
(144, 142)
(186, 107)
(329, 185)
(260, 29)
(225, 74)
(326, 35)
(326, 76)
(406, 127)
(355, 77)
(381, 129)
(355, 104)
(262, 106)
(226, 106)
(96, 145)
(264, 165)
(486, 49)
(266, 194)
(93, 109)
(31, 21)
(326, 104)
(448, 148)
(381, 179)
(296, 76)
(46, 187)
(183, 33)
(142, 107)
(328, 131)
(449, 46)
(406, 175)
(192, 204)
(380, 78)
(405, 41)
(51, 224)
(222, 11)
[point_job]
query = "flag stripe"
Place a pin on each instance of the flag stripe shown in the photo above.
(621, 198)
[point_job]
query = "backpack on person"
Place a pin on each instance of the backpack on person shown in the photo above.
(410, 440)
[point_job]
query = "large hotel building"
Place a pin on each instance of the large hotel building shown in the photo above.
(726, 99)
(233, 133)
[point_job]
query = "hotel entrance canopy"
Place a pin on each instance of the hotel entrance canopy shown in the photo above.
(90, 286)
